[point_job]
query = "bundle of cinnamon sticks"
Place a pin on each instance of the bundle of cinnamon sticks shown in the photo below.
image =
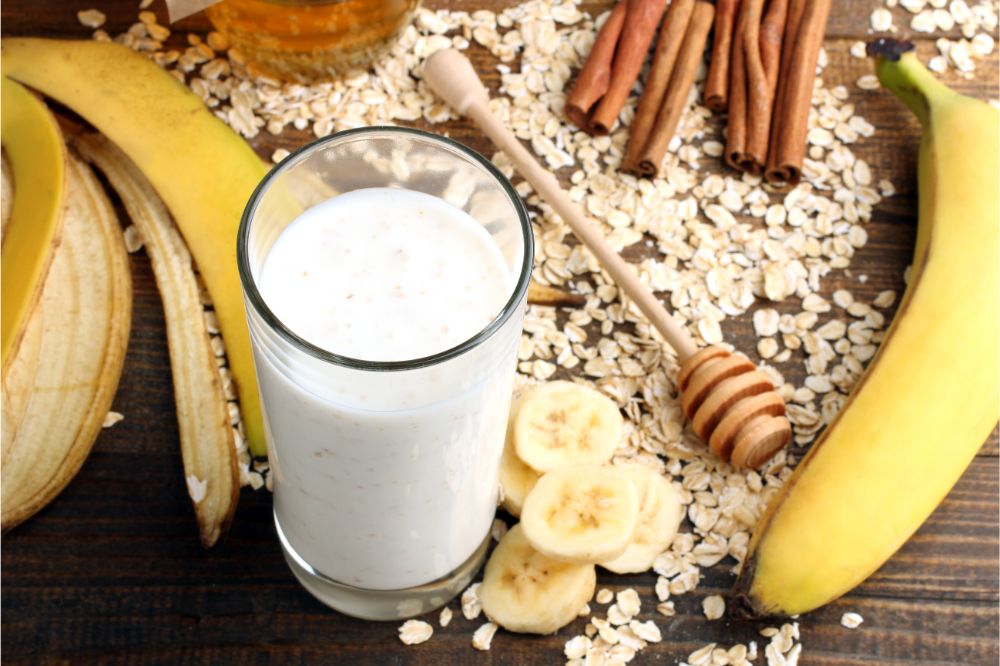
(616, 61)
(763, 63)
(766, 81)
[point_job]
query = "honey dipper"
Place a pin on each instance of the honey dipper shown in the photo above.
(732, 405)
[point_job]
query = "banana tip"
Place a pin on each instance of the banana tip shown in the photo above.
(888, 48)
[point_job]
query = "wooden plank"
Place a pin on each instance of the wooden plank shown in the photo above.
(112, 571)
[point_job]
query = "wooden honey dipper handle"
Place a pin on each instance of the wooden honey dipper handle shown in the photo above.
(451, 75)
(732, 405)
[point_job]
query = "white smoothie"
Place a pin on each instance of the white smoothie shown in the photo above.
(386, 480)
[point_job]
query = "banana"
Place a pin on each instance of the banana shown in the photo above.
(148, 114)
(660, 514)
(929, 398)
(516, 478)
(561, 423)
(37, 153)
(527, 592)
(581, 514)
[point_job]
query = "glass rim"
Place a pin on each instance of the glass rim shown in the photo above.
(256, 301)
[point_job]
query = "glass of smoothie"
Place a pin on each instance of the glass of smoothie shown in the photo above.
(385, 272)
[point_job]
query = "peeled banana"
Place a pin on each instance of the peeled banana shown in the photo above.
(148, 114)
(561, 423)
(61, 380)
(581, 514)
(929, 398)
(527, 592)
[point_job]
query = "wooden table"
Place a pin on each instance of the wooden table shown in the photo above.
(112, 570)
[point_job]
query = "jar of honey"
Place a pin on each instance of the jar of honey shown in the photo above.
(304, 40)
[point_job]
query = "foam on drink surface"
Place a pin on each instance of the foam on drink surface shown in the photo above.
(385, 275)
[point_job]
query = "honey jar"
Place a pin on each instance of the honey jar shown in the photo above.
(304, 40)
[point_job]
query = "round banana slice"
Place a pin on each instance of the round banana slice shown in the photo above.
(516, 479)
(581, 514)
(561, 423)
(527, 592)
(660, 514)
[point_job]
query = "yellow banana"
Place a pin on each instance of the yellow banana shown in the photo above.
(201, 169)
(929, 399)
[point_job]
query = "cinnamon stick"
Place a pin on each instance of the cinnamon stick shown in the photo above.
(675, 24)
(679, 87)
(763, 60)
(736, 126)
(641, 19)
(795, 10)
(792, 120)
(717, 83)
(595, 76)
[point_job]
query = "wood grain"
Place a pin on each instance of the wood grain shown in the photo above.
(112, 572)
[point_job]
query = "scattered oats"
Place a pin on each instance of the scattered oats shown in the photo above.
(414, 632)
(714, 606)
(851, 620)
(604, 595)
(702, 656)
(881, 20)
(483, 636)
(133, 239)
(628, 601)
(617, 616)
(471, 606)
(885, 299)
(196, 488)
(868, 82)
(666, 608)
(765, 322)
(279, 154)
(858, 50)
(815, 303)
(647, 631)
(112, 418)
(832, 330)
(577, 647)
(767, 347)
(91, 18)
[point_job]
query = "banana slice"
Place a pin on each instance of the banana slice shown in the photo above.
(516, 479)
(561, 423)
(527, 592)
(660, 514)
(581, 514)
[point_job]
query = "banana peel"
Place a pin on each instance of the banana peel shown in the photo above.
(32, 140)
(6, 195)
(61, 380)
(203, 171)
(206, 436)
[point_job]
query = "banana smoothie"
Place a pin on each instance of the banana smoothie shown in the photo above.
(386, 478)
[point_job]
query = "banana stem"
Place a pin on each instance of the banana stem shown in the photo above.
(901, 72)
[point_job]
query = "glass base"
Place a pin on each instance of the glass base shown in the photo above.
(382, 604)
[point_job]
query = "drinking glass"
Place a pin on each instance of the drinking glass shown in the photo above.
(385, 473)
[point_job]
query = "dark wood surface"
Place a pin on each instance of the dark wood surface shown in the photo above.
(112, 570)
